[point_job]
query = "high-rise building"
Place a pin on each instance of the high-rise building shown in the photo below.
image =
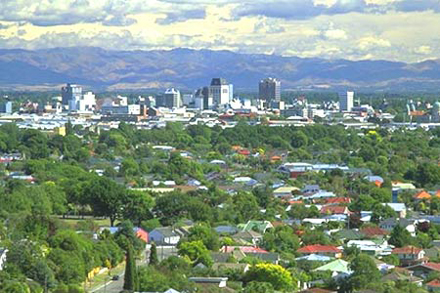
(170, 99)
(220, 91)
(269, 90)
(71, 92)
(346, 102)
(203, 99)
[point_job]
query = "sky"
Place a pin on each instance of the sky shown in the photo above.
(395, 30)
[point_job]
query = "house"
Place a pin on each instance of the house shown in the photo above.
(221, 267)
(422, 270)
(259, 226)
(409, 255)
(314, 257)
(433, 286)
(293, 170)
(382, 266)
(164, 236)
(245, 180)
(338, 201)
(402, 186)
(215, 282)
(422, 195)
(244, 249)
(311, 189)
(141, 234)
(3, 253)
(389, 224)
(374, 232)
(432, 252)
(226, 230)
(339, 268)
(335, 210)
(269, 257)
(371, 248)
(326, 250)
(396, 276)
(285, 191)
(348, 234)
(224, 257)
(399, 208)
(248, 236)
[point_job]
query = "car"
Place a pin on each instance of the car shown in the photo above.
(115, 277)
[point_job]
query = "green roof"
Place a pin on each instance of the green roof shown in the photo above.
(339, 265)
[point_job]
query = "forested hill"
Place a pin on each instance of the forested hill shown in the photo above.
(190, 69)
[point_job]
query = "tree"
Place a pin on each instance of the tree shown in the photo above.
(196, 252)
(206, 234)
(276, 275)
(364, 270)
(400, 237)
(105, 197)
(258, 287)
(281, 239)
(136, 206)
(153, 255)
(130, 270)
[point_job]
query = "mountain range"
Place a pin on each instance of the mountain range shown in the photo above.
(187, 69)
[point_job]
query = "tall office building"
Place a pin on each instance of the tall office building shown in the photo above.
(220, 91)
(346, 102)
(203, 99)
(269, 90)
(170, 99)
(71, 92)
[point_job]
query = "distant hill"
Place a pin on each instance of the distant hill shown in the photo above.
(190, 69)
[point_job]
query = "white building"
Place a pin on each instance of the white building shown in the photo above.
(87, 103)
(346, 102)
(221, 91)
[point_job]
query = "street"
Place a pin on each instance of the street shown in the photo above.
(110, 286)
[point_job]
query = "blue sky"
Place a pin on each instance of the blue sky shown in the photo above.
(397, 30)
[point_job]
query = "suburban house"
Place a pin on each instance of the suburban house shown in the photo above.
(311, 189)
(326, 250)
(338, 201)
(221, 267)
(422, 195)
(248, 236)
(226, 230)
(285, 191)
(424, 269)
(389, 224)
(339, 268)
(259, 226)
(433, 286)
(293, 170)
(374, 232)
(397, 276)
(164, 236)
(269, 257)
(410, 255)
(371, 248)
(335, 210)
(3, 252)
(399, 208)
(210, 282)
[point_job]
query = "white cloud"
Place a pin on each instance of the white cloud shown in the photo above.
(370, 42)
(423, 50)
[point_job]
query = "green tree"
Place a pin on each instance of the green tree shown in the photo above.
(196, 252)
(206, 234)
(153, 255)
(400, 237)
(276, 275)
(258, 287)
(364, 270)
(130, 270)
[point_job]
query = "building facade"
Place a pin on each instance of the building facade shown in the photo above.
(269, 90)
(346, 101)
(70, 92)
(220, 91)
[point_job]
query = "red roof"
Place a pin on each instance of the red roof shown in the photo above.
(434, 283)
(142, 234)
(244, 152)
(407, 250)
(373, 231)
(432, 265)
(338, 200)
(319, 249)
(422, 195)
(334, 210)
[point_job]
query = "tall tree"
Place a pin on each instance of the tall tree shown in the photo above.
(130, 270)
(153, 255)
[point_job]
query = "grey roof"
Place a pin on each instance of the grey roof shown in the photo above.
(269, 256)
(226, 229)
(166, 231)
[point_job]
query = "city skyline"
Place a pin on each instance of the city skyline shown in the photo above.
(332, 29)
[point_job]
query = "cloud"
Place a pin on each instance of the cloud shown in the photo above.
(368, 43)
(181, 16)
(423, 50)
(305, 9)
(119, 20)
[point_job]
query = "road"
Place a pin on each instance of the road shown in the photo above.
(163, 252)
